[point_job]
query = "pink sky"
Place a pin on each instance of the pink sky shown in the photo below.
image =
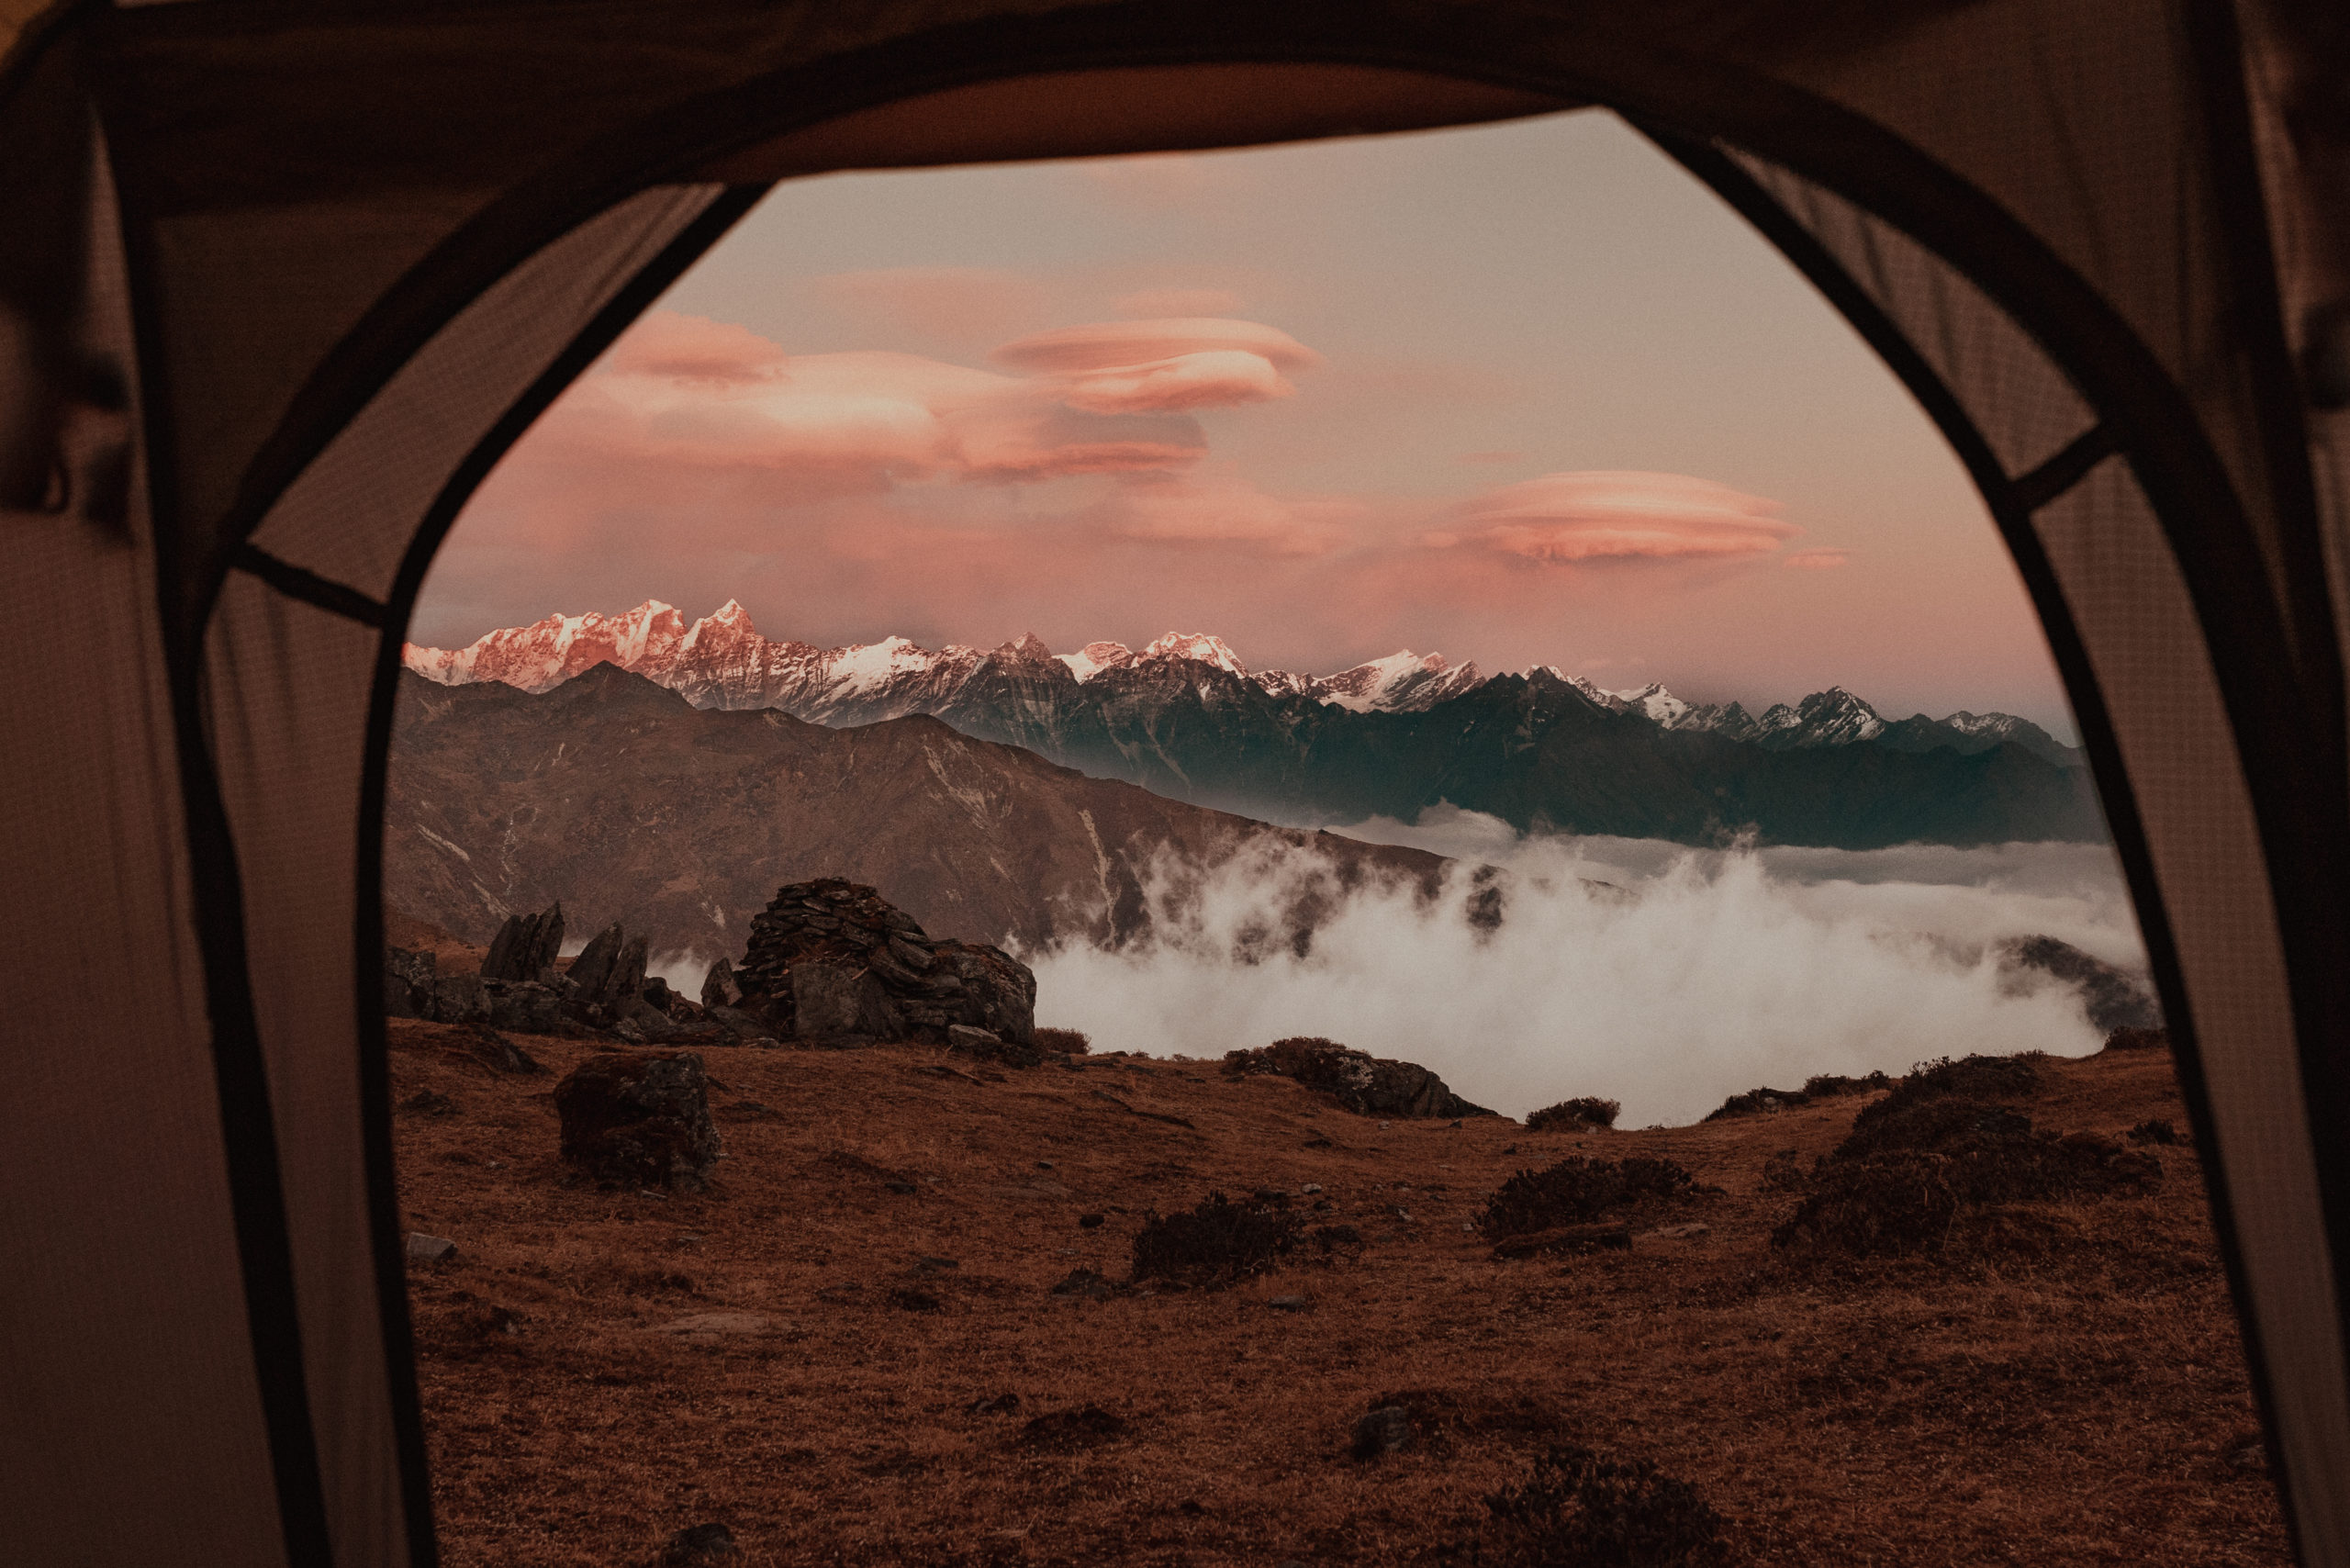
(1520, 395)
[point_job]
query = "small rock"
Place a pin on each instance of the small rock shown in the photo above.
(699, 1544)
(1388, 1430)
(927, 1265)
(500, 1053)
(1288, 1303)
(1090, 1222)
(425, 1102)
(1002, 1404)
(1088, 1283)
(423, 1249)
(1312, 1187)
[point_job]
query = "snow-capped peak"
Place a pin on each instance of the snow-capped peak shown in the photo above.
(1380, 683)
(1197, 647)
(1654, 700)
(1094, 657)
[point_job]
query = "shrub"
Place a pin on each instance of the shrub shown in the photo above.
(1994, 1155)
(2157, 1131)
(1756, 1102)
(2137, 1040)
(1577, 1191)
(1064, 1042)
(1831, 1085)
(1579, 1509)
(1588, 1111)
(1217, 1244)
(1886, 1205)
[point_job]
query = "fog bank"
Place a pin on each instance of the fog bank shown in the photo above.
(1649, 973)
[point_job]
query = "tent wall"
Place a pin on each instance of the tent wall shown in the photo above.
(353, 251)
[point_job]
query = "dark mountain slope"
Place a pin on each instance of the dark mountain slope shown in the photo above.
(627, 803)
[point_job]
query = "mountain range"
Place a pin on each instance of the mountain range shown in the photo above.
(628, 803)
(1186, 719)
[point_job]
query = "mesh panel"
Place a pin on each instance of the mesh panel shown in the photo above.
(352, 513)
(134, 1430)
(288, 697)
(2132, 607)
(2024, 406)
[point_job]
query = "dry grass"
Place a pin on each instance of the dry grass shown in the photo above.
(2063, 1383)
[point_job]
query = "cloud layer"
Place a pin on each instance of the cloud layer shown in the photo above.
(1563, 519)
(1682, 983)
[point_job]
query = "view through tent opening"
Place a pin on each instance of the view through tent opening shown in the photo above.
(1461, 597)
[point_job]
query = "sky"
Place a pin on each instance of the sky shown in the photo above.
(1519, 394)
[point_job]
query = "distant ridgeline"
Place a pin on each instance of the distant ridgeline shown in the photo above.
(1185, 719)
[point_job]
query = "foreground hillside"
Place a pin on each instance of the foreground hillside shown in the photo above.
(848, 1350)
(628, 803)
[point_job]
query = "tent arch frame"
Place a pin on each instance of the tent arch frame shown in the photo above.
(1691, 105)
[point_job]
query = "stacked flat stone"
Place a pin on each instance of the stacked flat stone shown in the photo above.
(834, 960)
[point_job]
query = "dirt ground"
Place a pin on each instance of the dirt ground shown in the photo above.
(817, 1351)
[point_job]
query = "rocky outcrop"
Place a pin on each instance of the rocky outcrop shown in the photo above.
(639, 1119)
(832, 962)
(1365, 1084)
(525, 946)
(524, 987)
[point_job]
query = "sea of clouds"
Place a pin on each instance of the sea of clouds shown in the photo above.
(1663, 977)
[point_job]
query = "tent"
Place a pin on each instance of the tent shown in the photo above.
(279, 282)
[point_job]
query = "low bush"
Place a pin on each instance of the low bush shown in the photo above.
(1832, 1085)
(2137, 1040)
(1756, 1102)
(2158, 1131)
(1064, 1042)
(1589, 1111)
(1889, 1204)
(1577, 1191)
(1995, 1156)
(1577, 1507)
(1215, 1244)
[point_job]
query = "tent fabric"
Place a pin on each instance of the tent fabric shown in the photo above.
(293, 277)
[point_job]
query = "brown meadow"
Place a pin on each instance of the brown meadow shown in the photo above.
(848, 1350)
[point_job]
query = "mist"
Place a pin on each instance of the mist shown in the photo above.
(1650, 973)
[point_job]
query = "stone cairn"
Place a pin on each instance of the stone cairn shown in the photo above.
(832, 962)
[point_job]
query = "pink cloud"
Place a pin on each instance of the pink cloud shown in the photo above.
(1498, 459)
(1110, 346)
(1817, 560)
(1176, 302)
(1567, 518)
(955, 303)
(1165, 364)
(681, 395)
(1227, 511)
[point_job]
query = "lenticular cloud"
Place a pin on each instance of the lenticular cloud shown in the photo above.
(1616, 516)
(1668, 983)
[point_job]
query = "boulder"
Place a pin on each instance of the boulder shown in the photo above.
(408, 980)
(924, 986)
(461, 999)
(832, 999)
(525, 946)
(639, 1118)
(718, 987)
(527, 1007)
(989, 1046)
(594, 965)
(1367, 1085)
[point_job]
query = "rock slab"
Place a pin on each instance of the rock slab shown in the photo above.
(1365, 1084)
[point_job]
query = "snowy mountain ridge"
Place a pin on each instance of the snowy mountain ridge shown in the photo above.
(724, 661)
